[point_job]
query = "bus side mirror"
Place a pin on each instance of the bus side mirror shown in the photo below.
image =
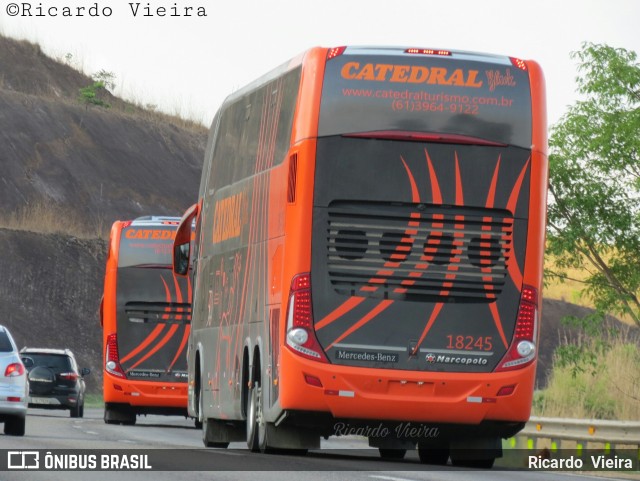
(182, 241)
(181, 254)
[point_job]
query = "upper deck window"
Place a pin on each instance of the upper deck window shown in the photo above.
(481, 98)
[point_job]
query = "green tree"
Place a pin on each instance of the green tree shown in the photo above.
(594, 208)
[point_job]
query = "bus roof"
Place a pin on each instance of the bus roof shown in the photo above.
(455, 54)
(155, 220)
(362, 50)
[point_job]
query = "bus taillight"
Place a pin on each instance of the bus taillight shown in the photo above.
(428, 51)
(335, 52)
(522, 351)
(519, 63)
(112, 359)
(300, 336)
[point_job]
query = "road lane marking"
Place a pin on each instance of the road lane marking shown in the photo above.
(389, 478)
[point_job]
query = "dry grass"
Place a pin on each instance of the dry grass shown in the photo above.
(151, 114)
(180, 116)
(50, 218)
(608, 387)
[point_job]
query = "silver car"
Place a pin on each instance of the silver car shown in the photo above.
(14, 387)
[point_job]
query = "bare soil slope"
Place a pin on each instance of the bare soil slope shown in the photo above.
(95, 164)
(50, 294)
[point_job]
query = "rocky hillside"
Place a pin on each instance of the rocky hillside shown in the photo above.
(93, 163)
(50, 293)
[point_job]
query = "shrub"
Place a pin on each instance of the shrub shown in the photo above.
(598, 378)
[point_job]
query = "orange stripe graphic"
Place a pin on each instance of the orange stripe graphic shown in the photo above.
(157, 347)
(432, 318)
(494, 181)
(156, 331)
(377, 310)
(498, 323)
(435, 187)
(459, 191)
(185, 337)
(346, 306)
(514, 269)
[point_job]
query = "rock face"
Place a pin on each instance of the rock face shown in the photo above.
(93, 164)
(50, 292)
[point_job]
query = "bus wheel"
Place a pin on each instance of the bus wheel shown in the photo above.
(255, 421)
(116, 414)
(477, 453)
(200, 413)
(390, 453)
(433, 455)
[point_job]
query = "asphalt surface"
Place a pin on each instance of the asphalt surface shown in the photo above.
(173, 448)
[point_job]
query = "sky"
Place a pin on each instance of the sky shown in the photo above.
(187, 65)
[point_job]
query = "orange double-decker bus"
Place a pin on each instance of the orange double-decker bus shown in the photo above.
(368, 254)
(145, 317)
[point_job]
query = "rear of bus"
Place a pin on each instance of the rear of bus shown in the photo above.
(422, 302)
(146, 315)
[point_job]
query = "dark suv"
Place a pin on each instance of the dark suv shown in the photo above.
(55, 382)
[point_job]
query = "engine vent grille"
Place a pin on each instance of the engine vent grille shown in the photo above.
(420, 253)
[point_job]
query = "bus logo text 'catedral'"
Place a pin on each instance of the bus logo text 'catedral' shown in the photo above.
(228, 217)
(381, 72)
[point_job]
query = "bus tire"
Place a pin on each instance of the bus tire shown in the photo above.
(433, 455)
(199, 406)
(389, 453)
(254, 419)
(116, 414)
(477, 453)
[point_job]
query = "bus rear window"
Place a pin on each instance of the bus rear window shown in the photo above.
(146, 246)
(411, 93)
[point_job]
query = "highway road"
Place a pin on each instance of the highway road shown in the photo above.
(173, 441)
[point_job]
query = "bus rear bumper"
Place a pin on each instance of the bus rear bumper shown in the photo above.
(144, 393)
(408, 396)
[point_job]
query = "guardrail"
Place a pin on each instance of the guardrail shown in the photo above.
(582, 433)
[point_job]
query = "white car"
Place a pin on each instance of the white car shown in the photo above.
(14, 387)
